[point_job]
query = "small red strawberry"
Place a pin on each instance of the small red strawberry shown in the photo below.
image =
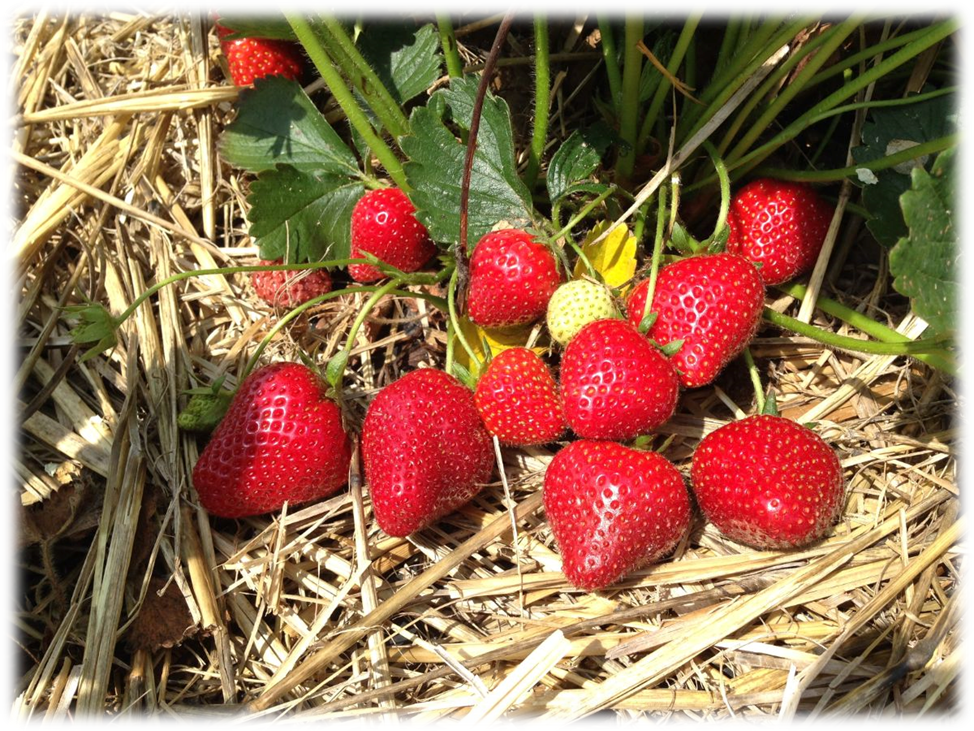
(281, 440)
(282, 288)
(512, 277)
(424, 449)
(255, 58)
(768, 482)
(615, 384)
(712, 303)
(517, 398)
(780, 225)
(384, 224)
(612, 510)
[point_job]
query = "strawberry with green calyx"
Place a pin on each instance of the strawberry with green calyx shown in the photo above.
(384, 225)
(282, 440)
(425, 450)
(768, 482)
(779, 225)
(206, 408)
(575, 304)
(512, 277)
(517, 398)
(615, 384)
(613, 509)
(710, 302)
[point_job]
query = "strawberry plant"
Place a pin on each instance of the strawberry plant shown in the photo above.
(471, 302)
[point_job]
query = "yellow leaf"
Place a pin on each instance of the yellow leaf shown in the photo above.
(497, 340)
(614, 257)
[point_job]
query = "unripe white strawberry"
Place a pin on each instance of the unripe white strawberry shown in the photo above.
(574, 305)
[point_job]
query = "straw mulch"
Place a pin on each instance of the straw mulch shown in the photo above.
(133, 600)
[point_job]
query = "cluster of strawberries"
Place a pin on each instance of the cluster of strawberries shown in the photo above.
(426, 440)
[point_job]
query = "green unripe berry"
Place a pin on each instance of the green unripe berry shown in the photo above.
(574, 305)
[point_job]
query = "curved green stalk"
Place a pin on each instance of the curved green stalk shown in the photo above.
(913, 348)
(752, 369)
(679, 52)
(725, 192)
(657, 251)
(343, 50)
(455, 321)
(836, 37)
(542, 88)
(629, 119)
(346, 100)
(883, 163)
(588, 208)
(454, 66)
(610, 56)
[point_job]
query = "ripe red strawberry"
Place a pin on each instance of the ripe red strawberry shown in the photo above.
(384, 224)
(768, 482)
(613, 509)
(424, 449)
(518, 399)
(281, 440)
(779, 224)
(255, 58)
(712, 303)
(282, 288)
(512, 277)
(615, 384)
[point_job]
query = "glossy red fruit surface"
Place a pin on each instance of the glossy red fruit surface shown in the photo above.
(615, 384)
(281, 440)
(612, 510)
(425, 450)
(713, 303)
(512, 277)
(289, 289)
(780, 225)
(517, 398)
(255, 58)
(768, 482)
(384, 224)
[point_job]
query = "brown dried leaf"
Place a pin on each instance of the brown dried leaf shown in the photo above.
(162, 621)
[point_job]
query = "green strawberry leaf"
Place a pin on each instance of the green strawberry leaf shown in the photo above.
(889, 130)
(436, 160)
(578, 157)
(277, 123)
(408, 61)
(925, 264)
(299, 215)
(257, 27)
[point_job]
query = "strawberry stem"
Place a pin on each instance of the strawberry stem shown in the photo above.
(346, 100)
(542, 88)
(931, 346)
(752, 369)
(584, 212)
(455, 320)
(610, 57)
(454, 66)
(629, 111)
(657, 251)
(725, 192)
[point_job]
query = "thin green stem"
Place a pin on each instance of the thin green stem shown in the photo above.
(585, 210)
(611, 58)
(346, 100)
(455, 321)
(364, 79)
(912, 348)
(883, 163)
(657, 250)
(679, 51)
(629, 119)
(542, 89)
(725, 192)
(454, 66)
(837, 35)
(752, 369)
(728, 43)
